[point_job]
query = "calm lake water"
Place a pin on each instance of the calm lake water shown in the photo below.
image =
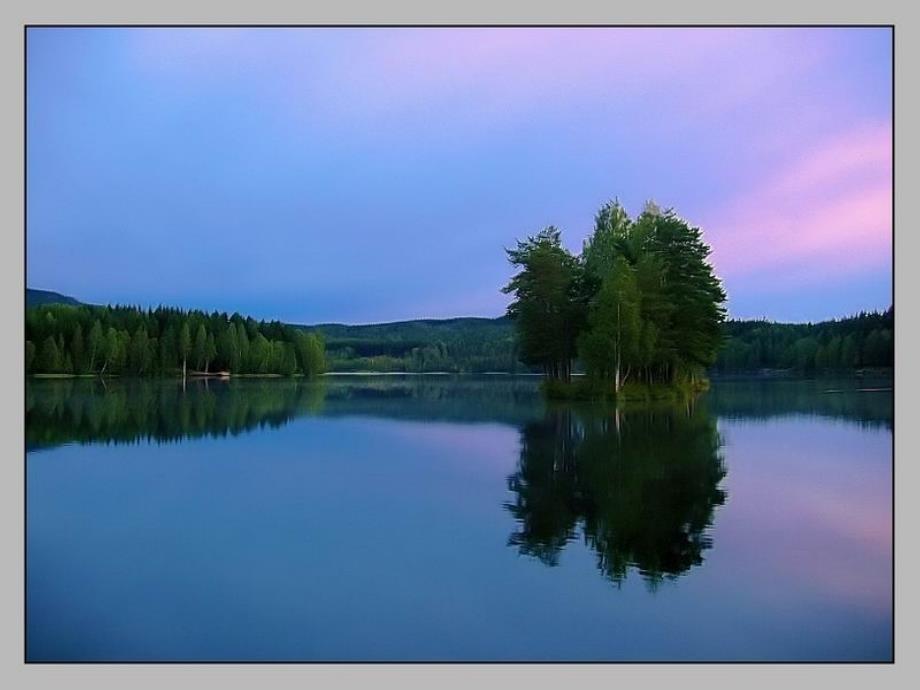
(456, 519)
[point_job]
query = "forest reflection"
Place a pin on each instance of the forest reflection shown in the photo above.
(132, 410)
(129, 411)
(639, 487)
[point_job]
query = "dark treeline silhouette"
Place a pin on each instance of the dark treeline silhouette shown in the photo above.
(865, 340)
(83, 339)
(640, 304)
(640, 488)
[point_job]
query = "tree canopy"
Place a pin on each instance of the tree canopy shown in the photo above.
(640, 302)
(83, 339)
(862, 341)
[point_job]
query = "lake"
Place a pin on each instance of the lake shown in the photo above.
(439, 518)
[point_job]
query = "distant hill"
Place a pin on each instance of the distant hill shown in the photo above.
(457, 344)
(36, 298)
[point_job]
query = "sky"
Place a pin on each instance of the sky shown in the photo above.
(367, 175)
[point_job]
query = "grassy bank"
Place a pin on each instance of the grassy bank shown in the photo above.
(586, 389)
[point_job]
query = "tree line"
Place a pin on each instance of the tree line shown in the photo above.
(863, 341)
(112, 341)
(461, 345)
(640, 303)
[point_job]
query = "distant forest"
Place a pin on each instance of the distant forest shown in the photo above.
(473, 345)
(150, 343)
(83, 339)
(862, 341)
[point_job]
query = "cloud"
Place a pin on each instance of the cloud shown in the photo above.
(829, 212)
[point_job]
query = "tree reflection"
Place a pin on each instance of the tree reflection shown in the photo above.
(89, 411)
(641, 486)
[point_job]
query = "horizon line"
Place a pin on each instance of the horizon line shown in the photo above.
(320, 324)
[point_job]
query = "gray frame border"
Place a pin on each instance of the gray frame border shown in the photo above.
(422, 675)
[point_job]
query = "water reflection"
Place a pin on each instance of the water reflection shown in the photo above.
(866, 401)
(90, 411)
(142, 552)
(640, 486)
(128, 411)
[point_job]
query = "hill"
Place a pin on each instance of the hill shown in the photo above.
(36, 298)
(469, 344)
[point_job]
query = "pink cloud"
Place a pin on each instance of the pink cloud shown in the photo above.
(829, 209)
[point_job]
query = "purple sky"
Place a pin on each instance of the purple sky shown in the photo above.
(361, 175)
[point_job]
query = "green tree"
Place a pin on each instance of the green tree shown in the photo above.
(78, 351)
(310, 353)
(833, 353)
(260, 354)
(185, 345)
(690, 327)
(805, 351)
(210, 351)
(610, 346)
(228, 348)
(110, 354)
(139, 355)
(874, 349)
(95, 343)
(289, 360)
(548, 307)
(243, 339)
(611, 240)
(200, 348)
(849, 352)
(168, 347)
(49, 357)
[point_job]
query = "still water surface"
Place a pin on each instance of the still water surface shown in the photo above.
(456, 519)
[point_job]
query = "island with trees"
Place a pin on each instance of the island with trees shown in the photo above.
(640, 307)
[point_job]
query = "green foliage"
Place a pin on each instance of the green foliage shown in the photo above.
(49, 357)
(127, 341)
(614, 330)
(547, 307)
(460, 345)
(310, 353)
(865, 340)
(642, 301)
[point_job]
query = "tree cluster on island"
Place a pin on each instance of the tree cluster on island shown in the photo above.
(640, 304)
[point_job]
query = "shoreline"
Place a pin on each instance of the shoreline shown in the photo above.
(758, 374)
